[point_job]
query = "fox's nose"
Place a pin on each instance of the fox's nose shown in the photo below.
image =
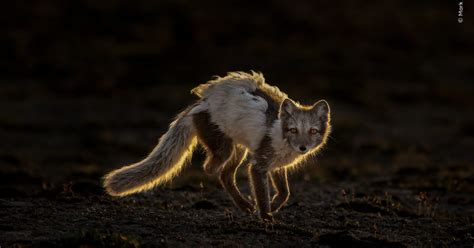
(303, 148)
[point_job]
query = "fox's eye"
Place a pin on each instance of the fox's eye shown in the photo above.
(313, 131)
(293, 130)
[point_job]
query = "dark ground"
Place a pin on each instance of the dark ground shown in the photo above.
(89, 86)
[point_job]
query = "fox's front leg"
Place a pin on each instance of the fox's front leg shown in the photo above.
(282, 188)
(259, 183)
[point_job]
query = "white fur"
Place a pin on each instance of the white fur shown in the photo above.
(241, 115)
(202, 106)
(235, 111)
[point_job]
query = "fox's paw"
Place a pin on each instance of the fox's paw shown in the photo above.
(278, 202)
(276, 206)
(267, 217)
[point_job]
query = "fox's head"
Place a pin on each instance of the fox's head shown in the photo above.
(305, 127)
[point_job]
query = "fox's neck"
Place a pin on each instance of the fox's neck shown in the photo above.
(279, 143)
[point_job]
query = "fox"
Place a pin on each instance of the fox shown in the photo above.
(240, 120)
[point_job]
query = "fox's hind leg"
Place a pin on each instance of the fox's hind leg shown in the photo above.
(218, 146)
(227, 179)
(221, 153)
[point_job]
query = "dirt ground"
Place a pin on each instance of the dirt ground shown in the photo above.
(409, 184)
(89, 87)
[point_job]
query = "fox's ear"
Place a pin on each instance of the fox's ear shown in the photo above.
(321, 108)
(287, 107)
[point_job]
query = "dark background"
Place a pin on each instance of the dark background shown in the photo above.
(88, 86)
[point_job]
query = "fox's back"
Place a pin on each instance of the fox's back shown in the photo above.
(242, 105)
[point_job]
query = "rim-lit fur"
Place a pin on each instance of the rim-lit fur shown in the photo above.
(238, 115)
(161, 165)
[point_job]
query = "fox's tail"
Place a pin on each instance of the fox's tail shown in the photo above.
(162, 164)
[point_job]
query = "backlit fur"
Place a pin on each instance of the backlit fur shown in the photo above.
(237, 115)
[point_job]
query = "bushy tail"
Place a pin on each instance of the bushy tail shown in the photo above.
(162, 164)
